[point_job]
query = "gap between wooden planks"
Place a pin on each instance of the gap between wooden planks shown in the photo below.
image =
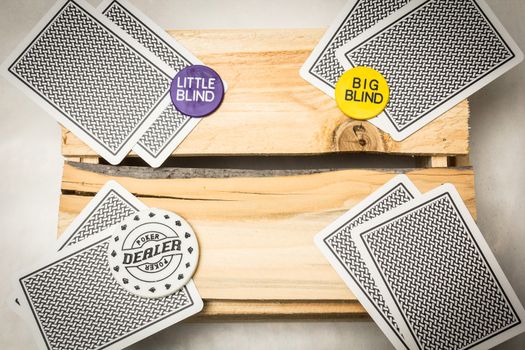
(269, 109)
(256, 228)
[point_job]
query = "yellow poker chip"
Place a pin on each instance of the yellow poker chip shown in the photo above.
(362, 93)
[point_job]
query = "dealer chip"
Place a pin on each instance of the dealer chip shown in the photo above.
(153, 253)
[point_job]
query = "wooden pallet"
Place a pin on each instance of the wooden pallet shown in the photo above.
(256, 227)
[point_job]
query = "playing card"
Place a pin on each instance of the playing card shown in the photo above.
(171, 127)
(337, 246)
(92, 77)
(431, 259)
(82, 266)
(112, 204)
(322, 69)
(434, 54)
(76, 303)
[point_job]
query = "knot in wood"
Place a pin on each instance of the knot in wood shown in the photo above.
(358, 136)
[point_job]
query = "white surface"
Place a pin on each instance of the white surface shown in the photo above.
(31, 171)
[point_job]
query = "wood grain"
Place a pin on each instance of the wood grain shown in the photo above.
(279, 309)
(256, 228)
(270, 109)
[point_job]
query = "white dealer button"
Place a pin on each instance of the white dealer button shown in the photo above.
(153, 253)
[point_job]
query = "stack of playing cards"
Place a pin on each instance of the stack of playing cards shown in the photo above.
(105, 75)
(73, 300)
(433, 54)
(421, 268)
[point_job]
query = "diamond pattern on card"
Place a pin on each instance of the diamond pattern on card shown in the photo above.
(171, 121)
(363, 15)
(111, 210)
(76, 301)
(343, 246)
(431, 55)
(439, 276)
(84, 70)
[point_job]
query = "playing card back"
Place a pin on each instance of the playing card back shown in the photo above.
(92, 77)
(77, 304)
(322, 68)
(431, 259)
(74, 300)
(171, 126)
(434, 54)
(337, 245)
(112, 204)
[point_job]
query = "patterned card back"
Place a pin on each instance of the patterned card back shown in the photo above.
(78, 304)
(344, 249)
(170, 122)
(163, 130)
(336, 244)
(109, 210)
(103, 88)
(123, 18)
(359, 16)
(430, 55)
(76, 301)
(440, 273)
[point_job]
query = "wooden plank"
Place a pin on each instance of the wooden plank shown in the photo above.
(256, 228)
(273, 309)
(270, 109)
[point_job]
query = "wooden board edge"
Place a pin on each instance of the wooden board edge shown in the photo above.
(233, 310)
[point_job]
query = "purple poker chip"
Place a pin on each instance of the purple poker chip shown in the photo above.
(197, 91)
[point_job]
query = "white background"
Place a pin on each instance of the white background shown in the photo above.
(31, 165)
